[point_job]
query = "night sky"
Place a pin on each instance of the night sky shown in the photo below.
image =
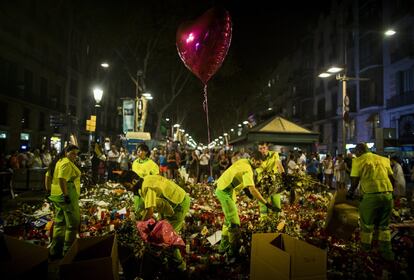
(263, 33)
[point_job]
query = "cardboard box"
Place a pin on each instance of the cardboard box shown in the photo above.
(91, 258)
(22, 260)
(280, 256)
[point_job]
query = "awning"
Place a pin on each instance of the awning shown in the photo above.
(138, 135)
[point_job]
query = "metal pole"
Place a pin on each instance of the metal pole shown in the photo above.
(343, 115)
(136, 126)
(96, 124)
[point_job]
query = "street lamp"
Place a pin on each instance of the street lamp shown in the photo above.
(104, 65)
(389, 32)
(345, 99)
(97, 95)
(147, 96)
(343, 78)
(226, 138)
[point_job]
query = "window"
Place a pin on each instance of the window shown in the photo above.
(321, 109)
(26, 118)
(72, 110)
(25, 136)
(43, 88)
(28, 82)
(30, 40)
(321, 133)
(4, 114)
(405, 81)
(41, 121)
(56, 97)
(73, 88)
(334, 132)
(335, 101)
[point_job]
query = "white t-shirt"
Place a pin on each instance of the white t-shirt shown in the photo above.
(113, 156)
(204, 158)
(292, 166)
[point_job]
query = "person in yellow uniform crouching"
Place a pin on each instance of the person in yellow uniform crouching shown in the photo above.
(237, 177)
(163, 196)
(271, 164)
(143, 165)
(374, 175)
(63, 181)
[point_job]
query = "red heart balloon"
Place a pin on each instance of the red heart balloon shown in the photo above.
(203, 44)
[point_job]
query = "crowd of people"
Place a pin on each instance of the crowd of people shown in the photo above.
(153, 177)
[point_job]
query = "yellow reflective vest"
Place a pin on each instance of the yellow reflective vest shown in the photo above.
(373, 171)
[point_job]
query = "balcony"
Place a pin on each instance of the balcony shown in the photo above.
(401, 100)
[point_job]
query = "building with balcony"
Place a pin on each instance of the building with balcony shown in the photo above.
(49, 62)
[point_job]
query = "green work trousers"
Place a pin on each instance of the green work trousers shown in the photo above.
(66, 222)
(177, 221)
(180, 211)
(274, 199)
(375, 211)
(231, 217)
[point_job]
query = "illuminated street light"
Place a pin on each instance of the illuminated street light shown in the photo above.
(324, 75)
(389, 32)
(147, 96)
(104, 64)
(167, 119)
(176, 125)
(270, 109)
(97, 95)
(245, 122)
(335, 69)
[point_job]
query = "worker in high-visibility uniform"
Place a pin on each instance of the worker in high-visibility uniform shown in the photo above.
(237, 177)
(63, 181)
(374, 175)
(143, 165)
(165, 197)
(270, 164)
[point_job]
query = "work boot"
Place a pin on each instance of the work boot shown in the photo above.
(388, 256)
(386, 250)
(224, 245)
(365, 247)
(182, 266)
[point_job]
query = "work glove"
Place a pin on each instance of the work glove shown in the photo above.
(66, 199)
(248, 193)
(272, 207)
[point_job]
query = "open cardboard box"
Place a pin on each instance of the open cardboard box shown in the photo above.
(22, 260)
(91, 258)
(280, 256)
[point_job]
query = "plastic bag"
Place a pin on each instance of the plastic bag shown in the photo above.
(159, 233)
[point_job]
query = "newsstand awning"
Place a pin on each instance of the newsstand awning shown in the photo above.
(277, 130)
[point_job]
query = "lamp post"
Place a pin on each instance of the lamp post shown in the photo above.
(343, 78)
(97, 95)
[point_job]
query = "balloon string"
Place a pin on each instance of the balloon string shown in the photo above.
(205, 106)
